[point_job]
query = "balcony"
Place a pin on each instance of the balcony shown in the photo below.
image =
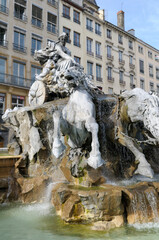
(110, 79)
(21, 16)
(51, 28)
(4, 43)
(121, 61)
(76, 21)
(11, 80)
(37, 22)
(99, 56)
(132, 66)
(90, 53)
(89, 28)
(66, 15)
(122, 82)
(19, 48)
(52, 3)
(77, 44)
(98, 32)
(4, 9)
(99, 79)
(110, 57)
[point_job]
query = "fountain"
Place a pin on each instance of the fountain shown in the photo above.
(76, 139)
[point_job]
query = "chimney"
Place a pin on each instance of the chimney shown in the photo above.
(120, 19)
(132, 32)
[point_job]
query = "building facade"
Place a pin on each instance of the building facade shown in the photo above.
(115, 58)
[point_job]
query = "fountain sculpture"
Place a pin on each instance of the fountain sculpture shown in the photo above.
(74, 134)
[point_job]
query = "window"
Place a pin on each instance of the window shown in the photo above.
(76, 17)
(20, 9)
(157, 73)
(89, 24)
(141, 65)
(35, 43)
(77, 59)
(150, 70)
(98, 72)
(110, 90)
(120, 56)
(66, 12)
(151, 86)
(109, 34)
(130, 59)
(18, 73)
(98, 29)
(3, 6)
(35, 70)
(2, 104)
(52, 2)
(76, 39)
(17, 101)
(131, 80)
(157, 89)
(19, 41)
(89, 46)
(130, 44)
(51, 23)
(98, 50)
(149, 54)
(37, 16)
(67, 31)
(142, 83)
(120, 39)
(121, 76)
(109, 73)
(109, 51)
(90, 68)
(2, 69)
(140, 49)
(3, 34)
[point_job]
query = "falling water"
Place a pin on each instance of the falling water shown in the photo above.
(140, 203)
(152, 199)
(139, 207)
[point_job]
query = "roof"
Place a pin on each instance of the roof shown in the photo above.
(93, 2)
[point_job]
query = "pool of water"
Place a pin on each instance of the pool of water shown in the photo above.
(39, 222)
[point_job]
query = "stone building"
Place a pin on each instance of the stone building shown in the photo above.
(115, 58)
(24, 27)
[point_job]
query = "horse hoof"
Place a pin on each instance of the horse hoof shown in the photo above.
(95, 161)
(58, 148)
(145, 171)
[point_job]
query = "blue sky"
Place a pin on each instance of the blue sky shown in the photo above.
(141, 15)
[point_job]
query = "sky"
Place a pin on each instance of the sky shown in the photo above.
(141, 15)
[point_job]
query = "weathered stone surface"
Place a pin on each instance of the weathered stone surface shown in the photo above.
(32, 189)
(76, 204)
(117, 221)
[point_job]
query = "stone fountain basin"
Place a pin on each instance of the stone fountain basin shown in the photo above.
(107, 206)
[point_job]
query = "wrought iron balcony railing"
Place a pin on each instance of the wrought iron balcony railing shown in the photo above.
(37, 22)
(19, 48)
(66, 15)
(90, 53)
(51, 28)
(4, 9)
(89, 28)
(110, 79)
(76, 21)
(53, 3)
(98, 32)
(4, 43)
(12, 80)
(20, 16)
(99, 79)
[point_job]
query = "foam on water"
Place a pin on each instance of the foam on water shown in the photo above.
(142, 226)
